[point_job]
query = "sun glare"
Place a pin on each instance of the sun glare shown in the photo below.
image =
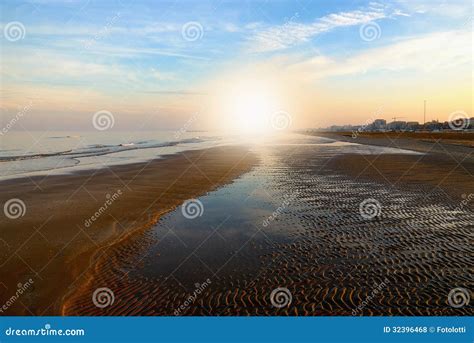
(247, 108)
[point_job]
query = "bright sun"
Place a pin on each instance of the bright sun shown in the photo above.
(247, 108)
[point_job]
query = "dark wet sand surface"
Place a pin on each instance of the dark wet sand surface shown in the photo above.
(294, 222)
(52, 245)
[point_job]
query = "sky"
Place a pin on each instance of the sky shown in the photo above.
(232, 64)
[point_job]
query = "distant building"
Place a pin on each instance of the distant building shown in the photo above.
(434, 125)
(343, 128)
(413, 126)
(397, 125)
(379, 124)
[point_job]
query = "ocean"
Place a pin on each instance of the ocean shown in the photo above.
(32, 152)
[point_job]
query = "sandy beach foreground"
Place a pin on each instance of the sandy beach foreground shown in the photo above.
(292, 237)
(71, 221)
(303, 226)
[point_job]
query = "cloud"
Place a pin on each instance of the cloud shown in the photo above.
(120, 51)
(162, 76)
(292, 33)
(107, 28)
(453, 9)
(28, 66)
(431, 52)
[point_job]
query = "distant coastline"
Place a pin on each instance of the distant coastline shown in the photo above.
(458, 123)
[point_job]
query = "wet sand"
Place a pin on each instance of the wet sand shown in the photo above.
(58, 244)
(446, 162)
(294, 222)
(454, 144)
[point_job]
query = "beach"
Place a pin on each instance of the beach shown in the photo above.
(446, 161)
(274, 171)
(447, 143)
(294, 222)
(300, 225)
(72, 220)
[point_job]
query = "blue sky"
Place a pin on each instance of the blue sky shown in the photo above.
(77, 57)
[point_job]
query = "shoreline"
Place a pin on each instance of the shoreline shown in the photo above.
(438, 143)
(295, 222)
(70, 219)
(441, 165)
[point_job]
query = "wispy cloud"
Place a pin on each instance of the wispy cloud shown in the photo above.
(132, 51)
(131, 58)
(453, 9)
(292, 33)
(431, 52)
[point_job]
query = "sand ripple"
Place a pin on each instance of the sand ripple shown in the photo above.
(319, 247)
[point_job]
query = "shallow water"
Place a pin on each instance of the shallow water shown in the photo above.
(38, 153)
(290, 223)
(58, 152)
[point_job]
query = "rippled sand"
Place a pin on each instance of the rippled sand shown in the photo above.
(294, 222)
(73, 219)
